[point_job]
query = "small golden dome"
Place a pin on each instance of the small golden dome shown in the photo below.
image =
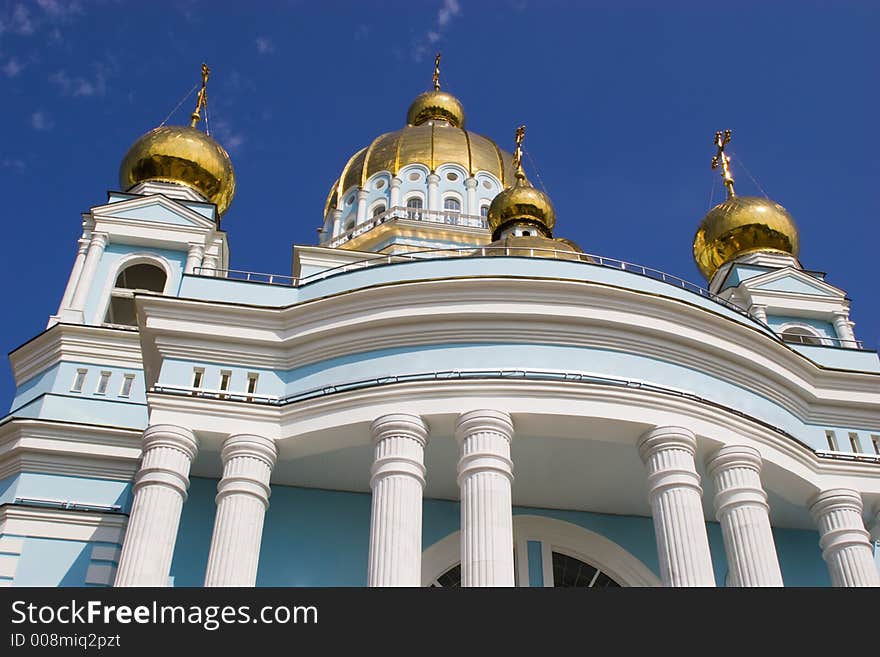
(740, 225)
(182, 155)
(522, 202)
(439, 105)
(537, 246)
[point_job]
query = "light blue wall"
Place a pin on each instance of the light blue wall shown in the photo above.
(207, 210)
(60, 377)
(825, 328)
(83, 490)
(321, 538)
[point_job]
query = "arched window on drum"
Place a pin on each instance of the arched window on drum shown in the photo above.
(141, 277)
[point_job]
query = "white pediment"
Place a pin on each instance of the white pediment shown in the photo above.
(792, 281)
(153, 209)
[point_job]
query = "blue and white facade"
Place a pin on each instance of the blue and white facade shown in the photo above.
(419, 413)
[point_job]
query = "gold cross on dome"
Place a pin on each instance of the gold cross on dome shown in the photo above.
(722, 160)
(437, 72)
(518, 152)
(202, 98)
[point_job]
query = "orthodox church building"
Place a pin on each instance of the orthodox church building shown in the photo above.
(442, 392)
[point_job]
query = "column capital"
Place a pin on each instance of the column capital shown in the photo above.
(249, 445)
(734, 456)
(660, 438)
(470, 183)
(100, 239)
(362, 194)
(484, 420)
(396, 182)
(171, 435)
(834, 499)
(195, 247)
(400, 424)
(433, 178)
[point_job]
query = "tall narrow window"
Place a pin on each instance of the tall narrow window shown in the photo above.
(127, 383)
(79, 380)
(140, 277)
(103, 382)
(854, 442)
(252, 382)
(198, 376)
(413, 208)
(225, 377)
(832, 440)
(875, 440)
(452, 207)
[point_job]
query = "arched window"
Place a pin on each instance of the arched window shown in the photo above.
(413, 205)
(452, 208)
(799, 335)
(379, 209)
(568, 572)
(484, 211)
(142, 277)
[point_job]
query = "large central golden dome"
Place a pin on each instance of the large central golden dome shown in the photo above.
(433, 136)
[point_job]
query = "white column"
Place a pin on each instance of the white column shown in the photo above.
(242, 500)
(76, 272)
(90, 266)
(759, 312)
(194, 258)
(398, 479)
(337, 222)
(159, 492)
(741, 508)
(433, 192)
(210, 265)
(843, 327)
(485, 475)
(472, 207)
(362, 206)
(675, 495)
(395, 192)
(843, 538)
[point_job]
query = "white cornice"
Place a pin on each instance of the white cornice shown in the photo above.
(110, 211)
(61, 524)
(77, 343)
(68, 449)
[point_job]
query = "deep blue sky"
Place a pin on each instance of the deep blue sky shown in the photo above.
(621, 100)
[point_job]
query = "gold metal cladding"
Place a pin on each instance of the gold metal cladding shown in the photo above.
(437, 72)
(183, 155)
(740, 225)
(202, 98)
(436, 105)
(537, 246)
(722, 160)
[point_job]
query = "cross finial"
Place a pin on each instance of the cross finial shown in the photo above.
(518, 152)
(437, 72)
(722, 160)
(202, 99)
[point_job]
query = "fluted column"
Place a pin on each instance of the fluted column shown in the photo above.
(394, 201)
(362, 206)
(843, 538)
(337, 222)
(90, 267)
(211, 265)
(398, 479)
(741, 508)
(242, 500)
(843, 328)
(759, 312)
(159, 492)
(194, 258)
(433, 192)
(675, 495)
(485, 475)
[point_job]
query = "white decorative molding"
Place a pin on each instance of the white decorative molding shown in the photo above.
(62, 524)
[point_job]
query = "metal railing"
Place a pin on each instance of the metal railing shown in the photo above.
(248, 276)
(823, 341)
(448, 217)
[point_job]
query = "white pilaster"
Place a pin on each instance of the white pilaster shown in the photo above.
(759, 312)
(398, 479)
(75, 273)
(242, 499)
(675, 495)
(395, 192)
(159, 492)
(90, 266)
(471, 186)
(337, 222)
(433, 192)
(843, 538)
(485, 475)
(741, 508)
(362, 205)
(843, 327)
(194, 258)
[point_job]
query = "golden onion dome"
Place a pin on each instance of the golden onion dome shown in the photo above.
(436, 104)
(182, 155)
(521, 202)
(740, 225)
(432, 138)
(537, 246)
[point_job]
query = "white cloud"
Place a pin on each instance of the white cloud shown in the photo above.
(78, 86)
(41, 121)
(265, 45)
(228, 138)
(12, 68)
(12, 163)
(425, 42)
